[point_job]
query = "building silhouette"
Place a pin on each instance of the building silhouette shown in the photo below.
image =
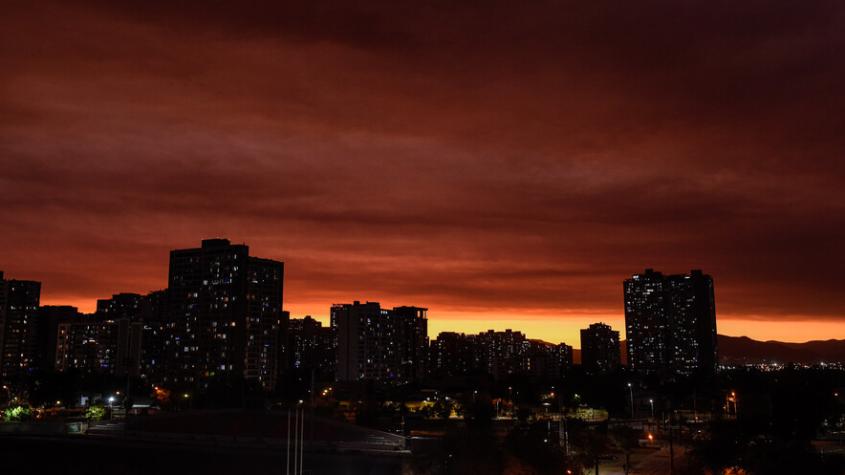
(502, 353)
(85, 344)
(379, 344)
(647, 321)
(224, 315)
(453, 355)
(155, 336)
(48, 321)
(599, 348)
(311, 348)
(123, 312)
(547, 361)
(499, 354)
(118, 339)
(671, 323)
(19, 302)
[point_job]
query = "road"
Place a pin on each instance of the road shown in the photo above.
(645, 462)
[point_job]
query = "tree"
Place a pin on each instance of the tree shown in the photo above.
(17, 414)
(95, 413)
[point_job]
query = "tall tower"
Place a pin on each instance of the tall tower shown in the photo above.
(599, 348)
(692, 323)
(225, 307)
(671, 323)
(646, 321)
(20, 300)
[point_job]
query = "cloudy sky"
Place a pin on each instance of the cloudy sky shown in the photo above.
(506, 164)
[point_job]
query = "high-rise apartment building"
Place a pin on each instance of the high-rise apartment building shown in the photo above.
(647, 321)
(18, 327)
(502, 353)
(122, 323)
(311, 347)
(379, 344)
(546, 361)
(79, 345)
(671, 323)
(453, 355)
(156, 333)
(599, 348)
(225, 309)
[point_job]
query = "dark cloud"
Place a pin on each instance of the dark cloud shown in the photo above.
(481, 157)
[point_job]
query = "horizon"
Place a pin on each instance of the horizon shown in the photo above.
(534, 326)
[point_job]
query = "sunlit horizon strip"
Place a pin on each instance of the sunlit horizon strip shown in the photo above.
(565, 327)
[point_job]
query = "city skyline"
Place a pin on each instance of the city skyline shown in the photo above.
(504, 166)
(534, 329)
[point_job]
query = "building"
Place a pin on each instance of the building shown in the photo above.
(224, 314)
(452, 355)
(114, 341)
(599, 349)
(3, 299)
(156, 329)
(78, 345)
(311, 347)
(671, 323)
(647, 321)
(546, 361)
(379, 344)
(264, 349)
(412, 337)
(499, 354)
(121, 324)
(49, 319)
(18, 327)
(502, 353)
(692, 323)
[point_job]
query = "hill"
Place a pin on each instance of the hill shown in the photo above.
(742, 350)
(745, 350)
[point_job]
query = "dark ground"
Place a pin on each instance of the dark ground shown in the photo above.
(77, 455)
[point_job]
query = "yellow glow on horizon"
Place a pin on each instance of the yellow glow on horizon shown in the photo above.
(566, 325)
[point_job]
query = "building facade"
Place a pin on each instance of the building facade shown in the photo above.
(121, 320)
(453, 355)
(311, 348)
(671, 323)
(379, 344)
(599, 349)
(546, 361)
(18, 327)
(224, 314)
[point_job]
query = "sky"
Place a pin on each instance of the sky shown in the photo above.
(504, 164)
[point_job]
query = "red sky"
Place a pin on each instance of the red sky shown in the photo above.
(505, 165)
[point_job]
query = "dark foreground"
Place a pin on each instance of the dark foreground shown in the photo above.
(77, 455)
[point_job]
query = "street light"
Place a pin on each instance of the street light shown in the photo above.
(631, 390)
(651, 401)
(732, 399)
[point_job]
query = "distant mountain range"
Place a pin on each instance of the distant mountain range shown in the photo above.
(742, 350)
(745, 350)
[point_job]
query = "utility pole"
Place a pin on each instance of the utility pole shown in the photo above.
(295, 439)
(287, 439)
(302, 443)
(671, 446)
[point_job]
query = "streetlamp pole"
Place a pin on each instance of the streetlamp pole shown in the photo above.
(631, 390)
(651, 401)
